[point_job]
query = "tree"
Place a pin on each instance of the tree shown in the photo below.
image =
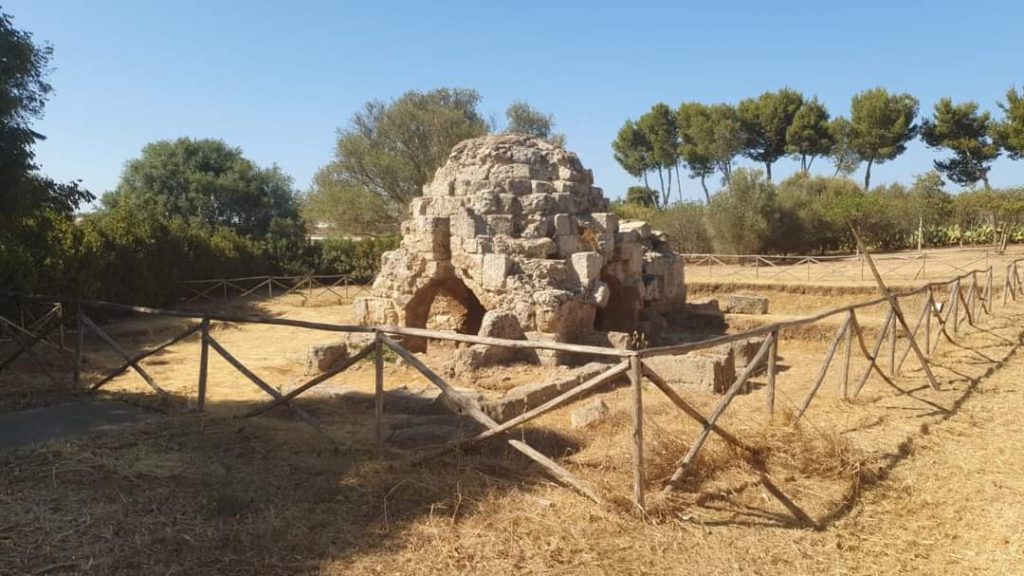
(524, 119)
(391, 150)
(1009, 133)
(710, 139)
(633, 151)
(808, 136)
(659, 128)
(642, 196)
(881, 126)
(741, 217)
(35, 211)
(764, 122)
(842, 154)
(24, 92)
(207, 184)
(965, 132)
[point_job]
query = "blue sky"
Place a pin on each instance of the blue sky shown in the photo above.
(278, 78)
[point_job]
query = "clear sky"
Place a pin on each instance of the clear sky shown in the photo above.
(278, 78)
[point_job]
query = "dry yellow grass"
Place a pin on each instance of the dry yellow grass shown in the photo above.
(898, 482)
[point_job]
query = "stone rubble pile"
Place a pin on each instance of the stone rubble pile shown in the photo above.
(513, 230)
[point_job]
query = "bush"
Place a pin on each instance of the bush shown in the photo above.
(357, 258)
(741, 218)
(685, 225)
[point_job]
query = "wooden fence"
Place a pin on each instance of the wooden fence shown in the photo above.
(344, 286)
(905, 267)
(964, 298)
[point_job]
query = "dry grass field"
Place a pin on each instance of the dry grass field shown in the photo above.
(898, 481)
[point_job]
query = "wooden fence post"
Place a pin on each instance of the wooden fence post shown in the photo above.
(930, 303)
(892, 350)
(636, 380)
(79, 344)
(851, 326)
(955, 303)
(204, 359)
(773, 356)
(378, 390)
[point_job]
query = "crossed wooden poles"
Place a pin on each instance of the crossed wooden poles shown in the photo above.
(224, 289)
(963, 302)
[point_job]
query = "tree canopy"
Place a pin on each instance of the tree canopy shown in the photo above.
(525, 119)
(389, 150)
(964, 131)
(765, 122)
(881, 126)
(809, 136)
(205, 183)
(710, 140)
(1009, 133)
(24, 91)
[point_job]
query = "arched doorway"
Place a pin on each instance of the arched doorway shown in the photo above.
(444, 304)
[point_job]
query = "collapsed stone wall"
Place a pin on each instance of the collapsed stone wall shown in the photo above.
(513, 230)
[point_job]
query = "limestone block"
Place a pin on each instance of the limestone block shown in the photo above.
(323, 357)
(499, 224)
(376, 311)
(712, 373)
(641, 229)
(543, 187)
(589, 414)
(486, 202)
(495, 270)
(420, 206)
(519, 187)
(535, 247)
(587, 266)
(537, 203)
(564, 225)
(745, 304)
(510, 171)
(568, 245)
(537, 228)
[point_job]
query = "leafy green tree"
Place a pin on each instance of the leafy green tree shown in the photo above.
(35, 210)
(524, 119)
(809, 136)
(1009, 132)
(345, 207)
(881, 126)
(205, 183)
(642, 196)
(659, 128)
(633, 151)
(964, 131)
(842, 154)
(807, 213)
(741, 218)
(710, 139)
(764, 122)
(390, 150)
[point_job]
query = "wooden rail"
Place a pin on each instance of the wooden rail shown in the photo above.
(343, 286)
(970, 296)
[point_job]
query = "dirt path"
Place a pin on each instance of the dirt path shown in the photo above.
(25, 427)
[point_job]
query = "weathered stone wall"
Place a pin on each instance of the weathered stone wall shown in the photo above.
(514, 225)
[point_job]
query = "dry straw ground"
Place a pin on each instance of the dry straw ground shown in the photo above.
(912, 481)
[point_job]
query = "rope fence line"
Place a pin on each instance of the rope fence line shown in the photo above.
(966, 299)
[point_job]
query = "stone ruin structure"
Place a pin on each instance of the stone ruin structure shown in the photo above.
(511, 239)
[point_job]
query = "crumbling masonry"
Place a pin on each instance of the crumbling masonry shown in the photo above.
(514, 239)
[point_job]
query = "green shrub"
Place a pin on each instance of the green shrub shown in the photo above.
(741, 217)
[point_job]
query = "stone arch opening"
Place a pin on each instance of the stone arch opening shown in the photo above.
(444, 304)
(622, 313)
